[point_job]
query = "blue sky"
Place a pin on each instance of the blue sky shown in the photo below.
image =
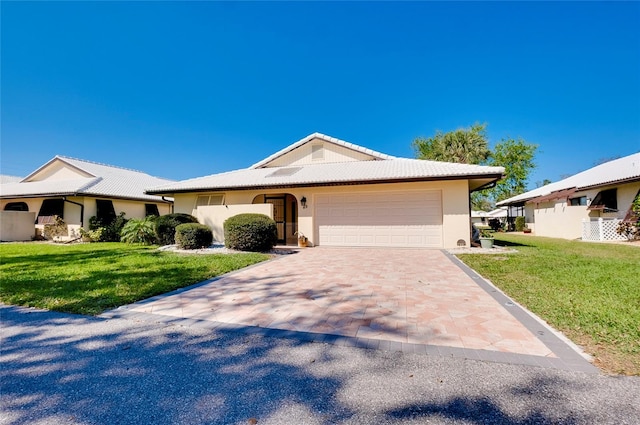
(186, 89)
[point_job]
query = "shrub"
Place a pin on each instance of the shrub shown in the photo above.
(250, 232)
(139, 230)
(57, 228)
(91, 235)
(193, 236)
(109, 231)
(166, 226)
(520, 224)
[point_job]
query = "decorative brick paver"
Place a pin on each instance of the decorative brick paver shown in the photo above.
(399, 295)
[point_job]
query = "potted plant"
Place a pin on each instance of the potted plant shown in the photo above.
(302, 239)
(526, 229)
(486, 238)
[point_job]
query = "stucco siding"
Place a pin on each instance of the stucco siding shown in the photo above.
(214, 216)
(330, 153)
(58, 171)
(17, 226)
(559, 220)
(455, 204)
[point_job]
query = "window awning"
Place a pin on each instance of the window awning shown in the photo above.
(605, 200)
(558, 194)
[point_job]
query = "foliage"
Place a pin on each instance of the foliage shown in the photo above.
(588, 291)
(91, 235)
(486, 233)
(630, 228)
(520, 224)
(110, 230)
(250, 232)
(91, 278)
(58, 228)
(166, 226)
(139, 230)
(471, 146)
(193, 236)
(464, 145)
(517, 158)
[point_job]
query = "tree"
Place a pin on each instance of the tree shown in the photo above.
(517, 158)
(464, 145)
(471, 146)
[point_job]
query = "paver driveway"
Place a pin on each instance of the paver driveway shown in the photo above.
(403, 295)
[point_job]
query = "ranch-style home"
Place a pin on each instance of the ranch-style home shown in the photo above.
(588, 205)
(340, 194)
(75, 190)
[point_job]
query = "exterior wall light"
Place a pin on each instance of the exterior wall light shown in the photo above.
(303, 202)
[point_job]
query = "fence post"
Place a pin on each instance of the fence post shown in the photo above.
(600, 229)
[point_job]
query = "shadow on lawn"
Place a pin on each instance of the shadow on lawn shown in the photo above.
(61, 368)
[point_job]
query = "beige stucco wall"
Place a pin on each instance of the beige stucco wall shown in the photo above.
(17, 225)
(214, 216)
(58, 170)
(455, 204)
(558, 219)
(332, 153)
(72, 212)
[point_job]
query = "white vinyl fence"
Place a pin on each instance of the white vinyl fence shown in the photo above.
(601, 229)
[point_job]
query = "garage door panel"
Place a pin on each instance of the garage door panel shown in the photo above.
(402, 219)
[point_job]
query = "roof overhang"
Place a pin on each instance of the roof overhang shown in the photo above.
(479, 181)
(558, 194)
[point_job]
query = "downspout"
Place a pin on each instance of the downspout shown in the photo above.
(170, 204)
(64, 198)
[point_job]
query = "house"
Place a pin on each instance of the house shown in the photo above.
(75, 190)
(340, 194)
(587, 205)
(479, 217)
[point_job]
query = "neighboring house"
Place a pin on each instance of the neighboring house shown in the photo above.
(75, 190)
(340, 194)
(587, 205)
(480, 217)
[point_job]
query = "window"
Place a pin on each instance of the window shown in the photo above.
(317, 152)
(605, 200)
(51, 207)
(16, 206)
(578, 201)
(151, 209)
(204, 200)
(105, 211)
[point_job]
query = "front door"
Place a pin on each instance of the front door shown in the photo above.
(279, 215)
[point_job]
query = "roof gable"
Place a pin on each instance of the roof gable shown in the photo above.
(57, 169)
(64, 176)
(319, 148)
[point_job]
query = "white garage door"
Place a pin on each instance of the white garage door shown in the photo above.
(396, 219)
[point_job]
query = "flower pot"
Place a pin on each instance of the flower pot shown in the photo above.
(486, 242)
(302, 242)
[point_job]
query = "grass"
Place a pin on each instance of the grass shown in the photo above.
(589, 291)
(92, 278)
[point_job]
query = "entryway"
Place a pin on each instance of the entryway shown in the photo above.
(285, 214)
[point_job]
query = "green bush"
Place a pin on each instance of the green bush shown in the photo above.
(250, 232)
(139, 230)
(109, 232)
(193, 236)
(520, 224)
(166, 226)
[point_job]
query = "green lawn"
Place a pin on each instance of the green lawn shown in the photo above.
(589, 291)
(92, 278)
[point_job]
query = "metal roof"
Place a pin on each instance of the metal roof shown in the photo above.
(108, 181)
(617, 171)
(388, 170)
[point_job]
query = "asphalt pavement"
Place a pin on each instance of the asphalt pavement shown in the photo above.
(67, 369)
